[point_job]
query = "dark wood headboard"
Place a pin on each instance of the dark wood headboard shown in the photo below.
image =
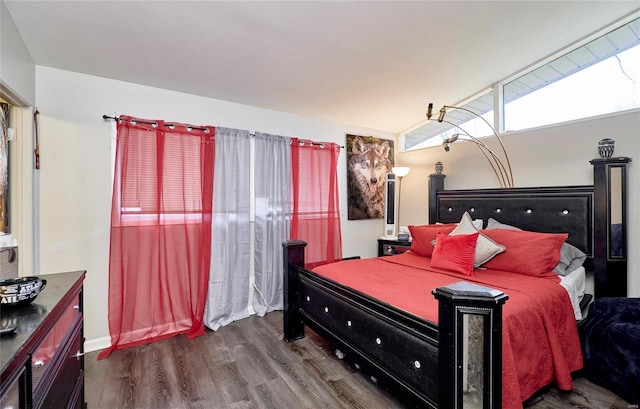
(585, 212)
(563, 209)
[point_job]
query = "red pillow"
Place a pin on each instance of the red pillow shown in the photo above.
(455, 253)
(422, 236)
(527, 252)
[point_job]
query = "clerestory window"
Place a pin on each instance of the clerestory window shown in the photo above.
(597, 78)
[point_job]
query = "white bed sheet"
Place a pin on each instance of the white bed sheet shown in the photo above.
(575, 284)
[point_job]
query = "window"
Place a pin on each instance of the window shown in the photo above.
(159, 176)
(600, 77)
(456, 121)
(181, 189)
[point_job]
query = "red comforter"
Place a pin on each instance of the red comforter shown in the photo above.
(540, 336)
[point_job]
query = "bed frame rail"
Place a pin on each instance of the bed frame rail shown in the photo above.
(399, 350)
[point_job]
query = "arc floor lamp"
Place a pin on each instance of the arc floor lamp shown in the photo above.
(501, 165)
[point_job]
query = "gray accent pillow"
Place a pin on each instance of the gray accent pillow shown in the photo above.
(571, 257)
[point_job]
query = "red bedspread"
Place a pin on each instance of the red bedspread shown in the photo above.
(540, 336)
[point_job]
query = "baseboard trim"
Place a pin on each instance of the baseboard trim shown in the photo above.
(97, 344)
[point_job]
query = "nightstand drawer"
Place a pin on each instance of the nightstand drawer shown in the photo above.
(388, 247)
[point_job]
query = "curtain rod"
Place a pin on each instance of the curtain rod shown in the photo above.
(193, 127)
(206, 130)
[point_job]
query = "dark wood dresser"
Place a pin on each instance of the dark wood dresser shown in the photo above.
(43, 359)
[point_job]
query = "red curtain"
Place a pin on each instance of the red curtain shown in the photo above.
(316, 212)
(160, 231)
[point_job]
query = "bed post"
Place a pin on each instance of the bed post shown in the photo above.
(293, 252)
(610, 213)
(469, 345)
(436, 184)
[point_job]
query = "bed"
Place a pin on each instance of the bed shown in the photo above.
(404, 341)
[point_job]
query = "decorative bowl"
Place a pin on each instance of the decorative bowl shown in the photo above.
(20, 291)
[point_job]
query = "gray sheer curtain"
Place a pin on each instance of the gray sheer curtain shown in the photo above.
(229, 276)
(272, 218)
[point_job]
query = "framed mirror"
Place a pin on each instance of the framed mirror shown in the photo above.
(616, 225)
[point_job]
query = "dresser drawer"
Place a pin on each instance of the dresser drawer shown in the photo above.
(45, 355)
(57, 389)
(13, 392)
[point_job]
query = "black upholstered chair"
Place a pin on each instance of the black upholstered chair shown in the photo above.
(611, 345)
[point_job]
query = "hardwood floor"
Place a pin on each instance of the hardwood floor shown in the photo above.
(247, 365)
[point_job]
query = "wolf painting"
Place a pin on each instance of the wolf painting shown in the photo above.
(368, 161)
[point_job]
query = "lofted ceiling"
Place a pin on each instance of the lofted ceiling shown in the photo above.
(372, 64)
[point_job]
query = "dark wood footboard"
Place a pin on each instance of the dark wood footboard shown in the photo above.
(399, 350)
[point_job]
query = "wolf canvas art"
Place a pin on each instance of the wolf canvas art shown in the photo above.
(369, 159)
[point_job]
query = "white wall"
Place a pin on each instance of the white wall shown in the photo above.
(75, 175)
(17, 70)
(549, 156)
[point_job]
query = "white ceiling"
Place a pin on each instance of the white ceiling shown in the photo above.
(372, 64)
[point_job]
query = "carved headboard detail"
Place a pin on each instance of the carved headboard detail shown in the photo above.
(563, 209)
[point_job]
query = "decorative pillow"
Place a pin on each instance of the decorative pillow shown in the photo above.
(528, 253)
(423, 236)
(477, 223)
(494, 224)
(455, 253)
(486, 249)
(571, 257)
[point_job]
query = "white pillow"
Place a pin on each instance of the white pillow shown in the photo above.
(486, 249)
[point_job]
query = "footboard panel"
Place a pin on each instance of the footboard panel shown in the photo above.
(403, 352)
(387, 343)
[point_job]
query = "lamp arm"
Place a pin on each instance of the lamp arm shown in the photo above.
(497, 137)
(496, 162)
(502, 177)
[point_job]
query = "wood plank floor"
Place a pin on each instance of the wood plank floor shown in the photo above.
(247, 365)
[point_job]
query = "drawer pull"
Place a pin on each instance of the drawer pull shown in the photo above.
(78, 355)
(38, 364)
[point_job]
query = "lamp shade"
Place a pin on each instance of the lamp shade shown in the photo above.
(400, 171)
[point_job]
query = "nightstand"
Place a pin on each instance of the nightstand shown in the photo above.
(389, 247)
